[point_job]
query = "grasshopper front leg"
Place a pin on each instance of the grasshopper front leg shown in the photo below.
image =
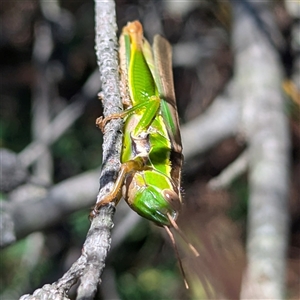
(101, 121)
(150, 109)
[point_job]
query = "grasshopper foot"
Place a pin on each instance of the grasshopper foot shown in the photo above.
(110, 198)
(100, 123)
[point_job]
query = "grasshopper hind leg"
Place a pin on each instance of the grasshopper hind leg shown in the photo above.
(115, 195)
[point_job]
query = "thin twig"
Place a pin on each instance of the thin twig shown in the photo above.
(96, 246)
(90, 265)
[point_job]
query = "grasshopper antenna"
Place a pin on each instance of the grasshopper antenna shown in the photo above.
(174, 224)
(177, 254)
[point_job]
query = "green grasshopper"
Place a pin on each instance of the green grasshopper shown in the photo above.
(149, 178)
(151, 159)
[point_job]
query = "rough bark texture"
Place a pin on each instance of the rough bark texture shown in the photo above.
(89, 267)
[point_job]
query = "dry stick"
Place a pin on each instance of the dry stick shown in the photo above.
(96, 247)
(91, 263)
(258, 80)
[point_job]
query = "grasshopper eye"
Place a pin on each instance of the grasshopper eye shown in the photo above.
(173, 199)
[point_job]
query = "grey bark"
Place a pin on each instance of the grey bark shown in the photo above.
(90, 265)
(98, 239)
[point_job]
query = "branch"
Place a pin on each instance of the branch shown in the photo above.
(258, 80)
(90, 265)
(98, 239)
